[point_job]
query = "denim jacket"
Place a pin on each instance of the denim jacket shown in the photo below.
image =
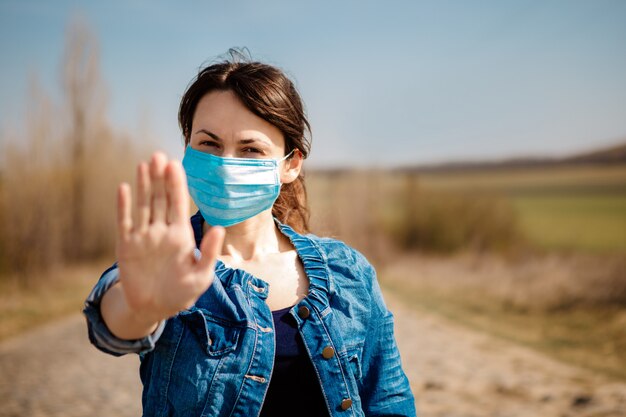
(216, 358)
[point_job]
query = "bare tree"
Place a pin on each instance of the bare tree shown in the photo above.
(59, 171)
(85, 103)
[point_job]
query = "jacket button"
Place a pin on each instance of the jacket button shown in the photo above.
(346, 403)
(304, 312)
(328, 352)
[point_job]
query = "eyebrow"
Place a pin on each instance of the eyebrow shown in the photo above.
(242, 141)
(211, 134)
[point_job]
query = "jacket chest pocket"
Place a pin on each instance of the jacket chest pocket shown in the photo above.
(186, 366)
(216, 336)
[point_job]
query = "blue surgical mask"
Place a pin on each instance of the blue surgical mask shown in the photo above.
(230, 190)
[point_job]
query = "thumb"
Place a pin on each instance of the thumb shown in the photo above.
(210, 248)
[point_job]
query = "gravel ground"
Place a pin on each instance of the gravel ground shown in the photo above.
(454, 372)
(55, 371)
(457, 372)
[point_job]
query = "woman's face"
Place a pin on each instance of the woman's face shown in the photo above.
(224, 127)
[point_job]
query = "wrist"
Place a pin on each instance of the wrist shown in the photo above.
(145, 318)
(122, 321)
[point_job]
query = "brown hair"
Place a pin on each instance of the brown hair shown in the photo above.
(268, 93)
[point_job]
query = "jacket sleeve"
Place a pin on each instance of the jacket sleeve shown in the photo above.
(385, 389)
(99, 334)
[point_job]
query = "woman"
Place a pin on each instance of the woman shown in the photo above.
(241, 313)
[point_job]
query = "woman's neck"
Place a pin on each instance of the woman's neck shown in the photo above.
(254, 238)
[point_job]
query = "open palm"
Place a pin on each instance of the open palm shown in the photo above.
(159, 273)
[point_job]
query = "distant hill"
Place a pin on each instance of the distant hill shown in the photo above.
(614, 154)
(605, 156)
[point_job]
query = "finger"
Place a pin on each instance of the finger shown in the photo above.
(177, 196)
(157, 187)
(211, 247)
(124, 220)
(143, 196)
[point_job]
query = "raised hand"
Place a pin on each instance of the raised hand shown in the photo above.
(159, 274)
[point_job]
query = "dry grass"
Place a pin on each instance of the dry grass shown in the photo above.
(58, 178)
(59, 173)
(525, 282)
(578, 209)
(382, 212)
(62, 291)
(570, 307)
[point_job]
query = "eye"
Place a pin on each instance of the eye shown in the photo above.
(209, 143)
(251, 150)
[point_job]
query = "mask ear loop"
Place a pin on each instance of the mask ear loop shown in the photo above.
(288, 155)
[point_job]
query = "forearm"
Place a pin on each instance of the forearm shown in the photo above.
(121, 320)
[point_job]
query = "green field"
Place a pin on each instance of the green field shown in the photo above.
(585, 222)
(563, 208)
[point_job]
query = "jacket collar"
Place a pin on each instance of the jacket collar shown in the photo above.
(310, 253)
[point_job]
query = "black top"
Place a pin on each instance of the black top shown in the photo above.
(294, 388)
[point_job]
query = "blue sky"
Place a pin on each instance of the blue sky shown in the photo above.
(384, 83)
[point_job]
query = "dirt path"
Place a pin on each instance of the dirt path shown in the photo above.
(454, 372)
(54, 371)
